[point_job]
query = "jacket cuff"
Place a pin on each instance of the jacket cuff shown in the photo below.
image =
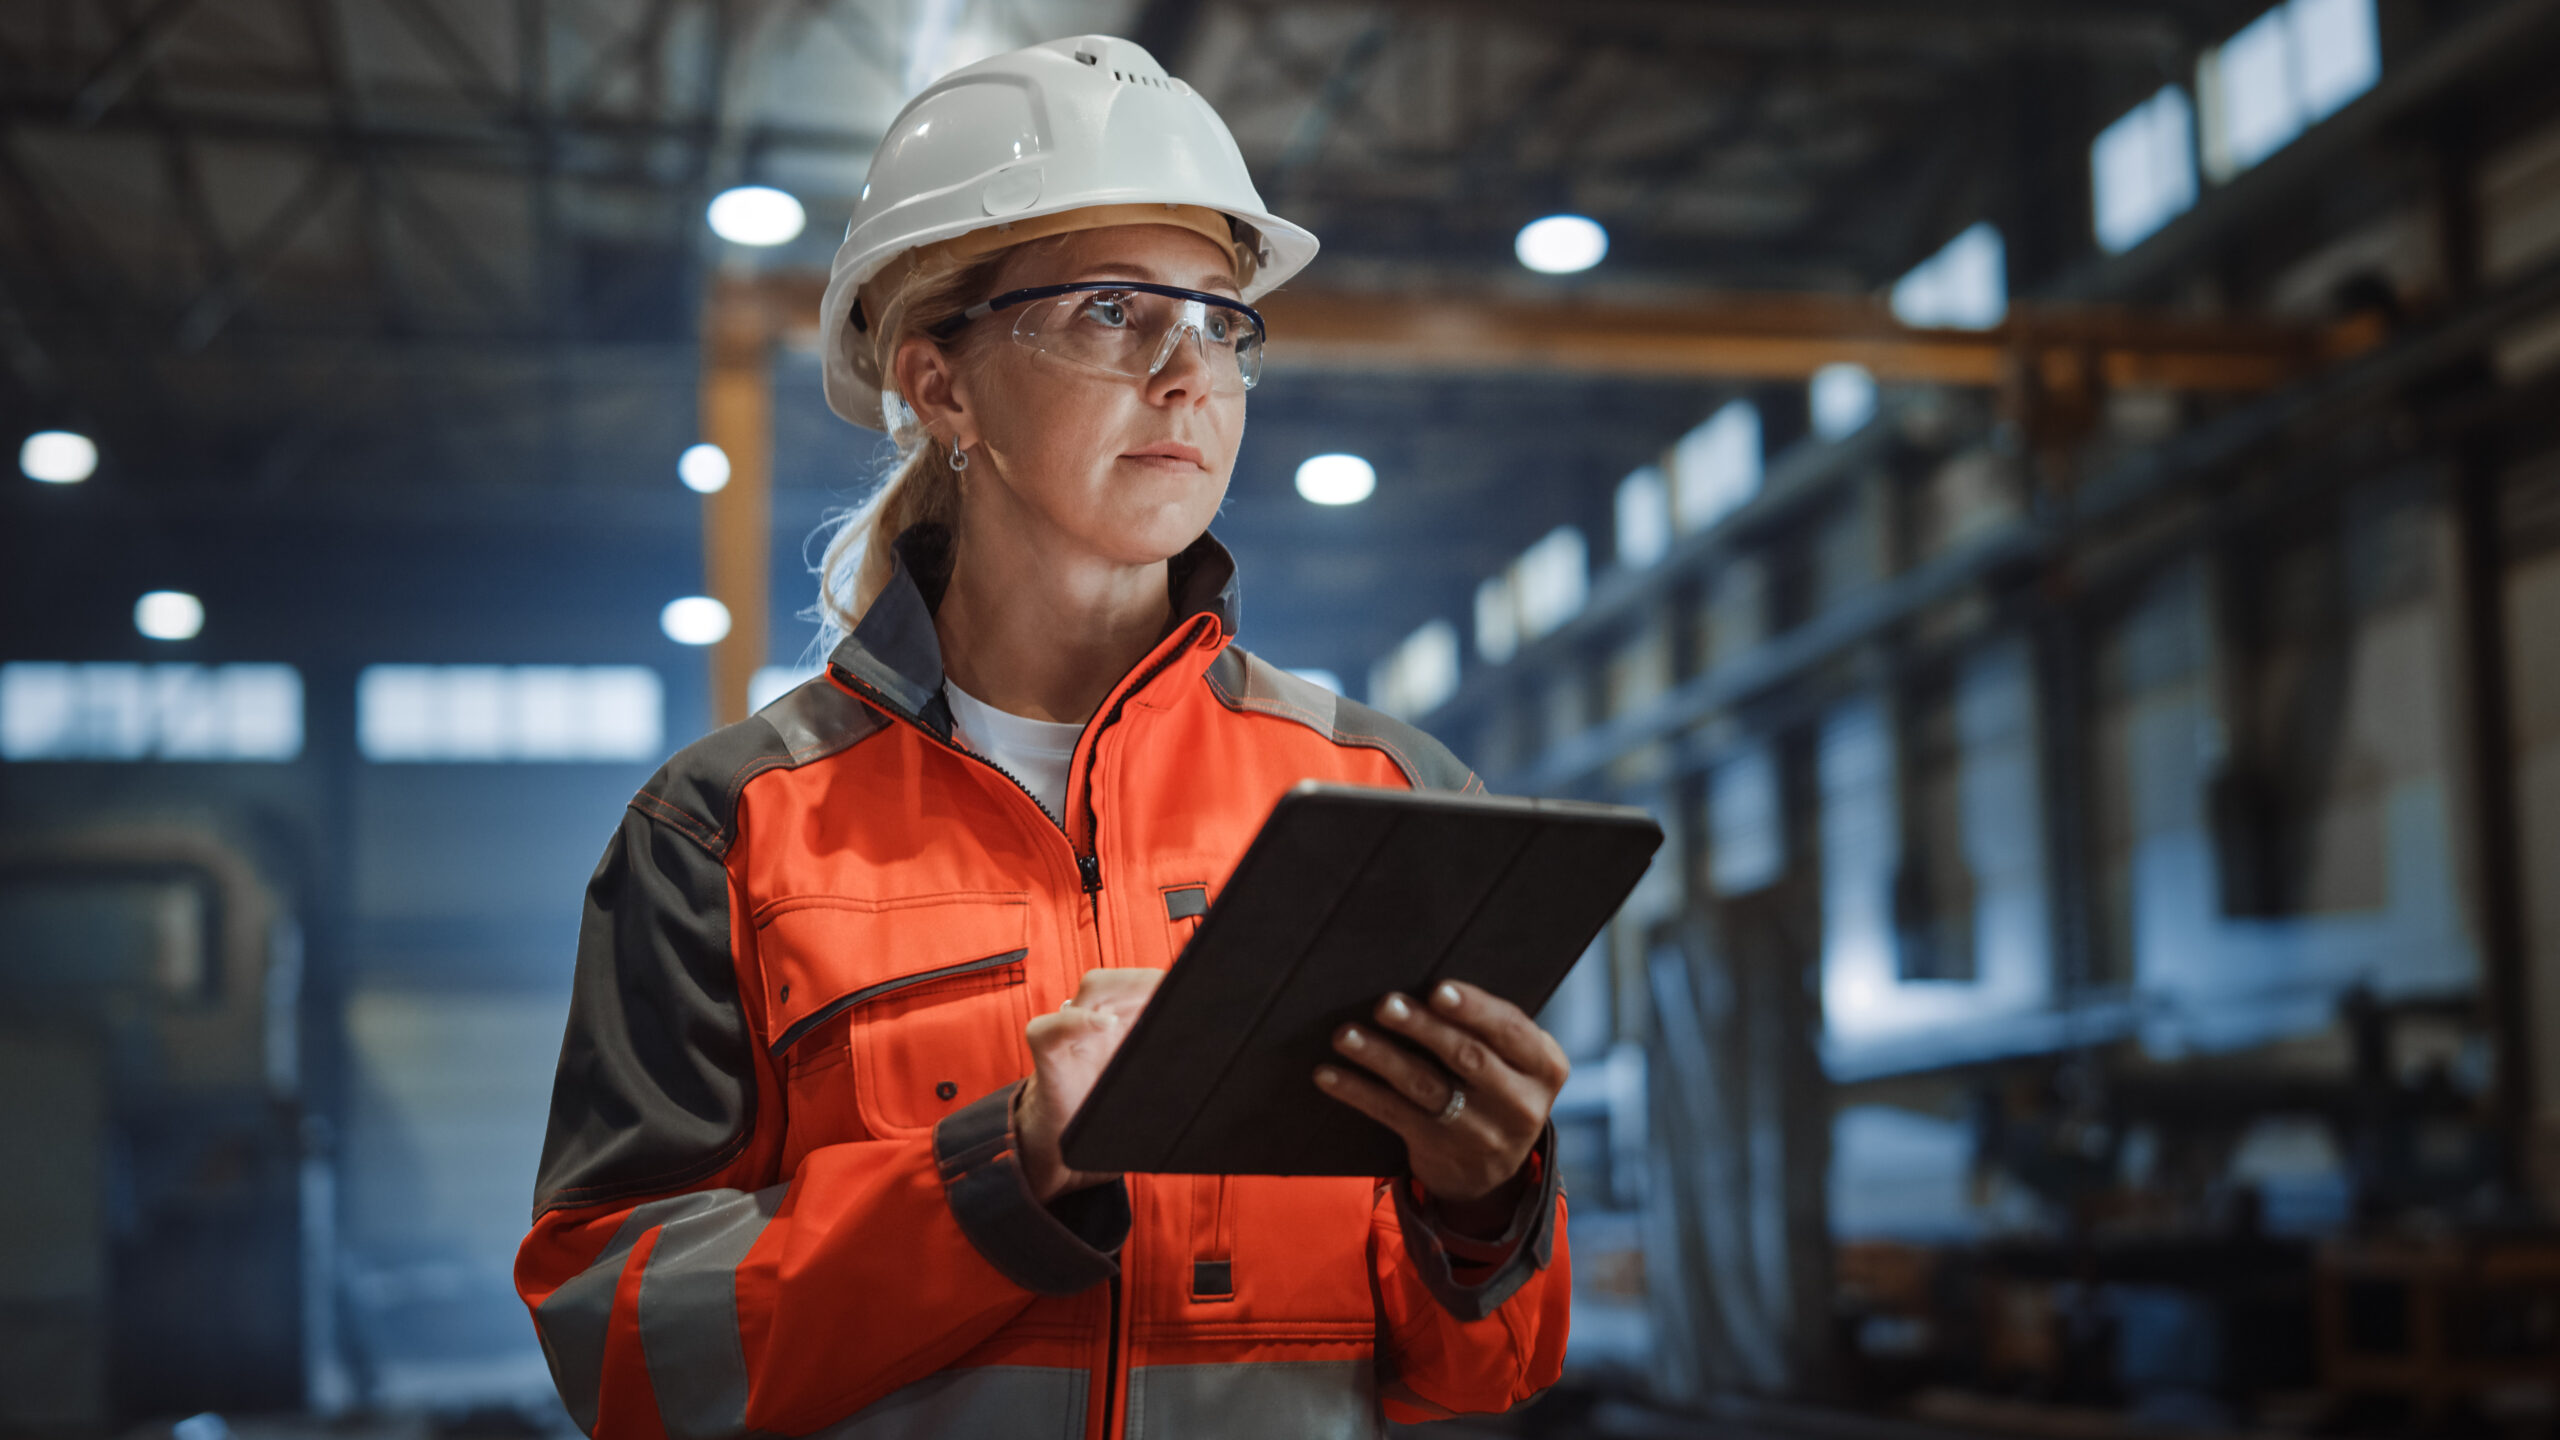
(1049, 1250)
(1523, 1249)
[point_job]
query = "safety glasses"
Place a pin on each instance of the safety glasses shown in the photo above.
(1129, 328)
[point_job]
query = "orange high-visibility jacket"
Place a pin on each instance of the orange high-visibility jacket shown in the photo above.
(779, 1194)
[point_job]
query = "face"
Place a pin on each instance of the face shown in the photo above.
(1128, 470)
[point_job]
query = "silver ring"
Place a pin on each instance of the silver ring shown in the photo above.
(1456, 1107)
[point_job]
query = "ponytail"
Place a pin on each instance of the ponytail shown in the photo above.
(920, 486)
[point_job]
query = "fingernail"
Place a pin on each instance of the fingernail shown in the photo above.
(1446, 997)
(1395, 1008)
(1328, 1078)
(1353, 1039)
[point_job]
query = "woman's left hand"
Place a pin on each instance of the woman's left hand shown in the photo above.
(1508, 1069)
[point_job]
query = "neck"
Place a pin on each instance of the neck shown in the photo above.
(1034, 627)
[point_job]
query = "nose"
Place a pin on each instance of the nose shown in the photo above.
(1181, 370)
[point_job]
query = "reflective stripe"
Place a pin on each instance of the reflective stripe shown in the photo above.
(1282, 1400)
(1001, 1400)
(573, 1319)
(689, 1314)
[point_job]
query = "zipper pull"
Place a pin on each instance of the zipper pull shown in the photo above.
(1090, 867)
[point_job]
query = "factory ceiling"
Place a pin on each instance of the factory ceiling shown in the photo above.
(328, 253)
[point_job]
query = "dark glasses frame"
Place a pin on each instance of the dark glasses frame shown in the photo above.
(1011, 298)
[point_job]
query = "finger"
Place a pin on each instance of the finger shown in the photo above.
(1374, 1099)
(1117, 988)
(1508, 1028)
(1486, 1074)
(1410, 1075)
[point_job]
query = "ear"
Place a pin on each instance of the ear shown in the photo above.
(932, 387)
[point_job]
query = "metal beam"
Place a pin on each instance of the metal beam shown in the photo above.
(1750, 337)
(737, 519)
(1784, 337)
(107, 81)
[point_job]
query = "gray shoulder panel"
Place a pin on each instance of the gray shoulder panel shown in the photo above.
(697, 792)
(1248, 684)
(656, 1088)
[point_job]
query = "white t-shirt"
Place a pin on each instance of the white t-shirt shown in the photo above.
(1034, 752)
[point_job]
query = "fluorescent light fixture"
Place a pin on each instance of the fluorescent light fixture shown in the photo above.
(703, 468)
(168, 615)
(58, 457)
(756, 215)
(2142, 170)
(1843, 399)
(695, 620)
(1561, 244)
(1336, 479)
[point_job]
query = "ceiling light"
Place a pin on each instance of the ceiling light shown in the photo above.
(58, 457)
(168, 615)
(695, 620)
(1561, 244)
(756, 215)
(1336, 479)
(703, 468)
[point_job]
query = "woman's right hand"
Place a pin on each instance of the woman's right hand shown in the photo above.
(1068, 1050)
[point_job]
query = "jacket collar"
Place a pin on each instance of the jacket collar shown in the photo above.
(895, 650)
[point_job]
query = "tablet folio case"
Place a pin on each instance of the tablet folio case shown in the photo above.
(1345, 895)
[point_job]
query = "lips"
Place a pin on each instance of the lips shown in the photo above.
(1169, 450)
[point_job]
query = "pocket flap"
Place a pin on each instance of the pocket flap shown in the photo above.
(824, 954)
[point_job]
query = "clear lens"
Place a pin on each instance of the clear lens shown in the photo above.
(1134, 333)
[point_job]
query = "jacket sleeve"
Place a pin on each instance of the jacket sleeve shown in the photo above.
(681, 1285)
(1471, 1326)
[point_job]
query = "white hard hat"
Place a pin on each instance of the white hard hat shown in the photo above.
(1074, 124)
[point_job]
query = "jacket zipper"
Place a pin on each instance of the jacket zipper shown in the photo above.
(1088, 873)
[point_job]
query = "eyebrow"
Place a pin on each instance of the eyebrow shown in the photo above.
(1131, 270)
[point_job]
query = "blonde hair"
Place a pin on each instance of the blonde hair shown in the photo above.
(920, 486)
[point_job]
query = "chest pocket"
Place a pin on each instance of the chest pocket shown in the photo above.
(930, 989)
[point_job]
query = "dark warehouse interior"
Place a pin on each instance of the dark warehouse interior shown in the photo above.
(2052, 505)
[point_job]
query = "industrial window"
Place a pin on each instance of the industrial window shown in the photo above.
(1715, 468)
(1497, 620)
(1842, 398)
(1553, 578)
(2142, 170)
(2284, 72)
(772, 682)
(1419, 675)
(1965, 286)
(509, 712)
(149, 712)
(1534, 595)
(1644, 518)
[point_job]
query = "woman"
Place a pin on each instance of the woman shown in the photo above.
(849, 966)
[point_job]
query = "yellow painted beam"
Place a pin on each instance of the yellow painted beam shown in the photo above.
(737, 519)
(1751, 337)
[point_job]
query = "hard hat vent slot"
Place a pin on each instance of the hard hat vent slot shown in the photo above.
(1084, 59)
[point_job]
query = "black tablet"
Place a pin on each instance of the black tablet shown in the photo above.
(1346, 894)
